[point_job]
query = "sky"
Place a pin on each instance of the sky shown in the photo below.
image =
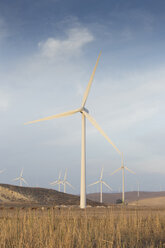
(48, 50)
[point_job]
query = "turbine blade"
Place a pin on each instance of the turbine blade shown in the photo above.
(93, 183)
(107, 186)
(65, 175)
(59, 176)
(90, 118)
(90, 82)
(129, 170)
(55, 116)
(21, 173)
(24, 181)
(69, 184)
(101, 176)
(116, 171)
(53, 183)
(57, 183)
(16, 179)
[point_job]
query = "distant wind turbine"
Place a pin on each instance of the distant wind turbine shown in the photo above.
(101, 185)
(122, 168)
(57, 182)
(160, 187)
(64, 182)
(138, 186)
(84, 114)
(20, 179)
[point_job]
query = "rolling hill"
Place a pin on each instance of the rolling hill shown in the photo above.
(11, 195)
(110, 198)
(150, 202)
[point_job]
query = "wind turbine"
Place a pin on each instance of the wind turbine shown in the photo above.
(122, 168)
(20, 179)
(138, 186)
(101, 185)
(84, 114)
(64, 182)
(57, 182)
(160, 187)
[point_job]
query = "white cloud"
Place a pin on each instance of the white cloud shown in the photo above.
(76, 39)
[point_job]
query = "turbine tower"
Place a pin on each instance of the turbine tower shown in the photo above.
(123, 168)
(57, 182)
(138, 186)
(64, 182)
(20, 179)
(101, 185)
(84, 114)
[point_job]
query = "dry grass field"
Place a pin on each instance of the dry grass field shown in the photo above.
(35, 218)
(70, 227)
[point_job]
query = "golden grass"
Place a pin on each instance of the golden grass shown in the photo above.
(68, 228)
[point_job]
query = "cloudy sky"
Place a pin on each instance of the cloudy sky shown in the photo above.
(48, 49)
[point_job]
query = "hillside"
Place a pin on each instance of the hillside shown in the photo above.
(151, 202)
(110, 198)
(11, 195)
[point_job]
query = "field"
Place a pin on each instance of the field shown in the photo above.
(70, 227)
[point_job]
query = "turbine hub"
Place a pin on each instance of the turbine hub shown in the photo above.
(86, 110)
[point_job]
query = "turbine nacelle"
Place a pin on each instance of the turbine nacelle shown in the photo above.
(85, 110)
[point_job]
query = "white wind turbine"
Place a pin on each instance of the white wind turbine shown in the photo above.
(64, 182)
(57, 182)
(138, 187)
(101, 185)
(20, 179)
(122, 168)
(84, 114)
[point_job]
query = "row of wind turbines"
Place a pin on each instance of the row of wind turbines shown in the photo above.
(101, 182)
(58, 182)
(64, 182)
(85, 115)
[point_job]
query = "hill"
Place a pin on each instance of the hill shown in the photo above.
(110, 198)
(151, 202)
(11, 195)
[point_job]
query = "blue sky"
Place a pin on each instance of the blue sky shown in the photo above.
(47, 53)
